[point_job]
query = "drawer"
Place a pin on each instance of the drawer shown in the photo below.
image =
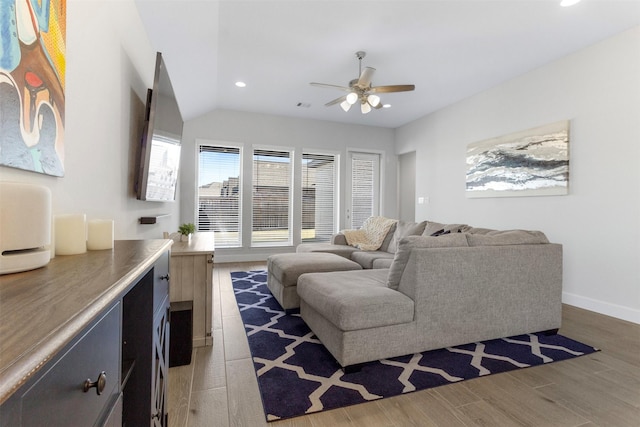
(114, 418)
(58, 398)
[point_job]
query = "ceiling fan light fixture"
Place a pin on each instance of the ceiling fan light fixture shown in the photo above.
(352, 98)
(360, 90)
(374, 100)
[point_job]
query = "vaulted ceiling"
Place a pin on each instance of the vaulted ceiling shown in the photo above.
(450, 49)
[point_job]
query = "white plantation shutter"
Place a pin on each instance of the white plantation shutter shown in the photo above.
(318, 197)
(220, 194)
(365, 187)
(271, 196)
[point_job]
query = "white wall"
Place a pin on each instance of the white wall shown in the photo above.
(407, 186)
(598, 90)
(262, 129)
(109, 66)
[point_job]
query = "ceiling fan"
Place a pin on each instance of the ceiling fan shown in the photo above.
(360, 90)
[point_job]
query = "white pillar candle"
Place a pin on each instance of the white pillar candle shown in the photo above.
(70, 234)
(100, 234)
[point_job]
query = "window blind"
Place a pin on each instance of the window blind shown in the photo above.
(362, 190)
(220, 194)
(271, 197)
(318, 197)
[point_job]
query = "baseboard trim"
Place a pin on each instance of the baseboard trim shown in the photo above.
(618, 311)
(202, 341)
(230, 256)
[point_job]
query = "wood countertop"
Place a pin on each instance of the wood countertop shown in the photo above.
(42, 310)
(202, 242)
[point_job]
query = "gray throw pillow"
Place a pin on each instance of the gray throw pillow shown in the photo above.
(507, 237)
(408, 243)
(432, 227)
(404, 229)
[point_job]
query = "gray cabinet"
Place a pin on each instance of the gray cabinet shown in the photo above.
(145, 348)
(110, 371)
(83, 384)
(160, 366)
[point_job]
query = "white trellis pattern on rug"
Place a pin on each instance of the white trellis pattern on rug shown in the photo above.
(297, 375)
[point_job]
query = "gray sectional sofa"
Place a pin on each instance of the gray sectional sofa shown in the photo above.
(449, 285)
(382, 257)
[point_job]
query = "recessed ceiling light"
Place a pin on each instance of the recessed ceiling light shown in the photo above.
(241, 84)
(567, 3)
(386, 106)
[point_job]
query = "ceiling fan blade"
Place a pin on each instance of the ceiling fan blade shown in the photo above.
(343, 88)
(365, 77)
(336, 101)
(393, 88)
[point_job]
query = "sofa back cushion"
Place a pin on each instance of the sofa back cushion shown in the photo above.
(507, 237)
(437, 229)
(408, 243)
(404, 229)
(388, 238)
(479, 230)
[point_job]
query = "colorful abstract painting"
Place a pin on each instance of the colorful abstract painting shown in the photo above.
(32, 71)
(534, 162)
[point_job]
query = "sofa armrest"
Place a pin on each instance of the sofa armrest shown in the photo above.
(470, 294)
(338, 239)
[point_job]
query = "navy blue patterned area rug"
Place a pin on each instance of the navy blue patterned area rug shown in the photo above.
(297, 375)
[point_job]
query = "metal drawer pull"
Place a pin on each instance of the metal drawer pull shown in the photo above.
(165, 277)
(99, 384)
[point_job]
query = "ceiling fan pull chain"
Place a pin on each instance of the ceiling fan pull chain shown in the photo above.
(360, 54)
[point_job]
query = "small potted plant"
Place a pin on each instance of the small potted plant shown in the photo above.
(186, 230)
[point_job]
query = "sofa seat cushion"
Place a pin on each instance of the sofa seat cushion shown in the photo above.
(408, 243)
(354, 300)
(366, 258)
(342, 250)
(287, 268)
(382, 263)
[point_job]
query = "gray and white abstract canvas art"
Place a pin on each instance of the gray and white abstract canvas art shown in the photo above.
(534, 162)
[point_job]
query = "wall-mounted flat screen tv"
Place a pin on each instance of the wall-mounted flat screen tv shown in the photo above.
(159, 160)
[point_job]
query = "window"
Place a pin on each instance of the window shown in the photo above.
(271, 195)
(318, 197)
(364, 188)
(220, 193)
(262, 179)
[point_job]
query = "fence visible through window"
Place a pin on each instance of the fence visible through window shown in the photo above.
(271, 198)
(220, 189)
(318, 197)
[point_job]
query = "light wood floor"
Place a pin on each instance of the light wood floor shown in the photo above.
(219, 388)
